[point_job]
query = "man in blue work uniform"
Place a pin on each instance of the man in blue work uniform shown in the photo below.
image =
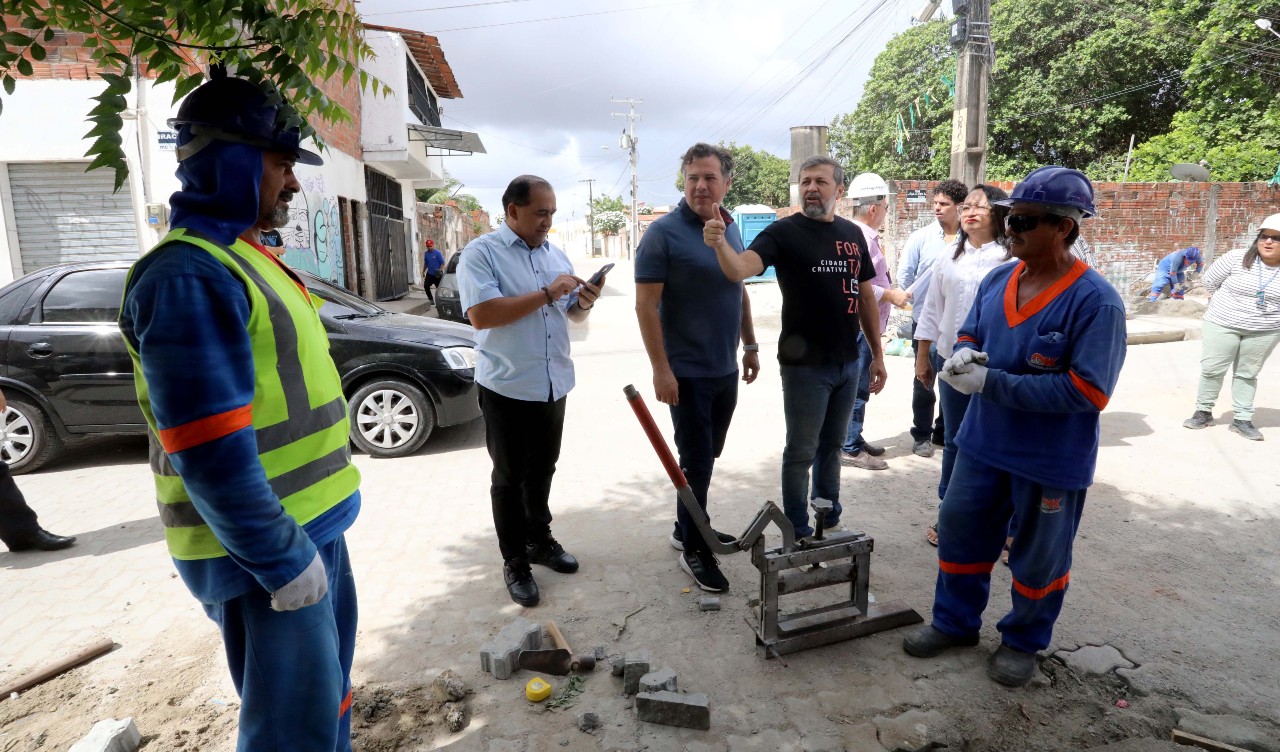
(520, 293)
(248, 423)
(1041, 352)
(432, 265)
(1171, 273)
(691, 319)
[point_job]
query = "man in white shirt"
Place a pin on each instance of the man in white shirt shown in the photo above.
(925, 246)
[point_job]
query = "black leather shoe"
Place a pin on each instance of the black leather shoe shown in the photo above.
(551, 554)
(1012, 668)
(42, 540)
(520, 584)
(926, 642)
(875, 450)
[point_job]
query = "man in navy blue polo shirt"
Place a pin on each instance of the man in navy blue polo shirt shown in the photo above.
(691, 319)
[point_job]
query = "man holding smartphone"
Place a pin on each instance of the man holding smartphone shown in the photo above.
(520, 293)
(691, 319)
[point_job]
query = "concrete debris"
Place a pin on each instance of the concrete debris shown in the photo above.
(672, 709)
(617, 663)
(1140, 681)
(110, 736)
(588, 722)
(1093, 660)
(448, 687)
(455, 719)
(912, 730)
(636, 665)
(600, 653)
(708, 603)
(1229, 729)
(501, 657)
(658, 681)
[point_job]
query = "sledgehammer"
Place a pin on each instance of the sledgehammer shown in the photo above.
(558, 661)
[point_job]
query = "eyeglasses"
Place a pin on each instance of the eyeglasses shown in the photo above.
(1273, 238)
(966, 208)
(1027, 222)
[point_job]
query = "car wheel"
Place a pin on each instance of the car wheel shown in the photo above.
(391, 418)
(27, 438)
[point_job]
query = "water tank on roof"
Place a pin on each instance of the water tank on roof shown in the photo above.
(751, 219)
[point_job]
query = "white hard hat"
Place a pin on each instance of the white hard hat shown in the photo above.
(868, 185)
(1271, 223)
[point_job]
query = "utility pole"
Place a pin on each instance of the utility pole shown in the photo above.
(971, 34)
(591, 211)
(628, 141)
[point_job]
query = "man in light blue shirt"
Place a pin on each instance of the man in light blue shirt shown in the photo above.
(519, 292)
(925, 247)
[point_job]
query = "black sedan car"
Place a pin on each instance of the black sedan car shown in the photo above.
(65, 371)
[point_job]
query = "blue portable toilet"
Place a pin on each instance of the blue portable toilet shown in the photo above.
(751, 219)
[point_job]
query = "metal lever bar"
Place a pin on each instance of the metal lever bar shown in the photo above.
(683, 492)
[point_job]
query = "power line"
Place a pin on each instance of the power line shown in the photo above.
(559, 18)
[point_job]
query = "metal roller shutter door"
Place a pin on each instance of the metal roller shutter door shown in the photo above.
(63, 213)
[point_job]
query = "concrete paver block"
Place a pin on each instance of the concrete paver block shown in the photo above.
(110, 736)
(911, 730)
(1094, 660)
(1228, 729)
(658, 681)
(673, 709)
(635, 665)
(709, 603)
(501, 657)
(617, 663)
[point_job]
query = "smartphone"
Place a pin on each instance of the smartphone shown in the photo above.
(598, 277)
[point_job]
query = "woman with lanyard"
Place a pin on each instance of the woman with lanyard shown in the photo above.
(1241, 328)
(980, 247)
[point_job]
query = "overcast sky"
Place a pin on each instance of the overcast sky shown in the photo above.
(536, 85)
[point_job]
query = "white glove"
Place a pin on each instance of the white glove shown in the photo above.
(960, 362)
(968, 381)
(303, 590)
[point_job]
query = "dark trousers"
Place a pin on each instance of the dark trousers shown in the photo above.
(524, 443)
(701, 422)
(292, 669)
(923, 400)
(429, 281)
(17, 520)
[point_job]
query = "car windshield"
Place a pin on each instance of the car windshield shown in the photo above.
(340, 303)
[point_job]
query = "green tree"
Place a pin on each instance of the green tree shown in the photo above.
(444, 195)
(758, 177)
(286, 45)
(605, 203)
(609, 222)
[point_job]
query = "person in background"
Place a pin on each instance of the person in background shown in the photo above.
(1171, 273)
(1041, 352)
(924, 248)
(19, 528)
(1241, 328)
(980, 247)
(871, 194)
(432, 268)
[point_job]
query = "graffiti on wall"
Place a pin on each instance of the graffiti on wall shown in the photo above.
(313, 236)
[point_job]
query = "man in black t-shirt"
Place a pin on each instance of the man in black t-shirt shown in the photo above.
(824, 272)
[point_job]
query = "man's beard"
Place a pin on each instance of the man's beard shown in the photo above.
(278, 217)
(818, 212)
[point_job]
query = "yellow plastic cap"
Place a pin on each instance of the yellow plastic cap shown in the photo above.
(537, 690)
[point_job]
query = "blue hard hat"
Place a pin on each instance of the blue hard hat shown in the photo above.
(1054, 186)
(1192, 254)
(238, 111)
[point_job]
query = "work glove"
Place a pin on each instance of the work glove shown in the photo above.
(969, 381)
(963, 360)
(1179, 293)
(303, 590)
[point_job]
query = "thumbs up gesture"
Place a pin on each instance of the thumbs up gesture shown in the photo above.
(713, 230)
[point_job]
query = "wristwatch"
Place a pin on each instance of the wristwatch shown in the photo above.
(753, 347)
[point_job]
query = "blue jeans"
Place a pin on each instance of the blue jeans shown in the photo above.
(816, 403)
(292, 669)
(701, 421)
(853, 435)
(953, 404)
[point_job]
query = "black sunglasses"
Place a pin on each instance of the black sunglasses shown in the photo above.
(1026, 222)
(1267, 236)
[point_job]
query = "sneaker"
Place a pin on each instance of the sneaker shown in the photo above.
(520, 584)
(550, 553)
(678, 544)
(1012, 668)
(704, 568)
(922, 448)
(926, 642)
(1245, 428)
(1199, 419)
(875, 450)
(863, 460)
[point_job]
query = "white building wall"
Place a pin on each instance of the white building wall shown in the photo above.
(382, 120)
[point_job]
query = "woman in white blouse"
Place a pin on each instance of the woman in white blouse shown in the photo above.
(1240, 329)
(980, 247)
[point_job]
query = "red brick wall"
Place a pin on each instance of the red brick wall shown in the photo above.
(1138, 223)
(345, 137)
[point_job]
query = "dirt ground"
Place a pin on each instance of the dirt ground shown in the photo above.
(1177, 566)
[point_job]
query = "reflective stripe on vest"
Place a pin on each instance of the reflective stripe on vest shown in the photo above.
(305, 450)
